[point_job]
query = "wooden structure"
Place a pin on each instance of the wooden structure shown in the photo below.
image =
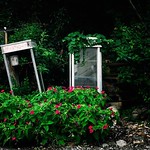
(87, 72)
(8, 49)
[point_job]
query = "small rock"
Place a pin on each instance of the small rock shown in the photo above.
(121, 143)
(138, 142)
(148, 147)
(105, 145)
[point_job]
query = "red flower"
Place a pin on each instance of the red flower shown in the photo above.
(56, 106)
(91, 131)
(87, 86)
(55, 90)
(13, 138)
(102, 92)
(78, 106)
(27, 122)
(49, 88)
(5, 119)
(29, 105)
(110, 108)
(15, 123)
(90, 127)
(64, 88)
(105, 126)
(10, 91)
(57, 112)
(27, 101)
(70, 89)
(31, 112)
(112, 114)
(2, 91)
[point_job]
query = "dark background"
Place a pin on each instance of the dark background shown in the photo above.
(96, 16)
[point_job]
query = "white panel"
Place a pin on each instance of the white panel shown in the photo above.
(99, 70)
(88, 73)
(17, 46)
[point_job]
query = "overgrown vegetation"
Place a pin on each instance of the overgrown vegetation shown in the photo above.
(57, 116)
(131, 45)
(128, 45)
(47, 58)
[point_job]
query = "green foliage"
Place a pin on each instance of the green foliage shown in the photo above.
(35, 32)
(77, 42)
(127, 44)
(27, 31)
(47, 57)
(131, 43)
(22, 89)
(131, 46)
(57, 116)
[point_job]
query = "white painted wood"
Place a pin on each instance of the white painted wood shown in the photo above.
(17, 46)
(91, 72)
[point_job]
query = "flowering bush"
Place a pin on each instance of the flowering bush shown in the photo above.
(57, 116)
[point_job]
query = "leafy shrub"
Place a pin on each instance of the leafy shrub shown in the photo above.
(131, 45)
(57, 116)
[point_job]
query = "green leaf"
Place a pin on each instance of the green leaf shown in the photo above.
(96, 135)
(44, 141)
(47, 123)
(46, 128)
(92, 120)
(61, 142)
(26, 132)
(33, 119)
(50, 122)
(12, 127)
(6, 140)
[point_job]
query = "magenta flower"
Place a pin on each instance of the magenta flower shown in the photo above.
(29, 105)
(49, 88)
(57, 112)
(13, 138)
(55, 90)
(27, 122)
(15, 123)
(31, 112)
(102, 92)
(105, 126)
(87, 86)
(27, 101)
(111, 108)
(10, 91)
(58, 105)
(71, 89)
(79, 106)
(91, 129)
(112, 114)
(5, 119)
(2, 91)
